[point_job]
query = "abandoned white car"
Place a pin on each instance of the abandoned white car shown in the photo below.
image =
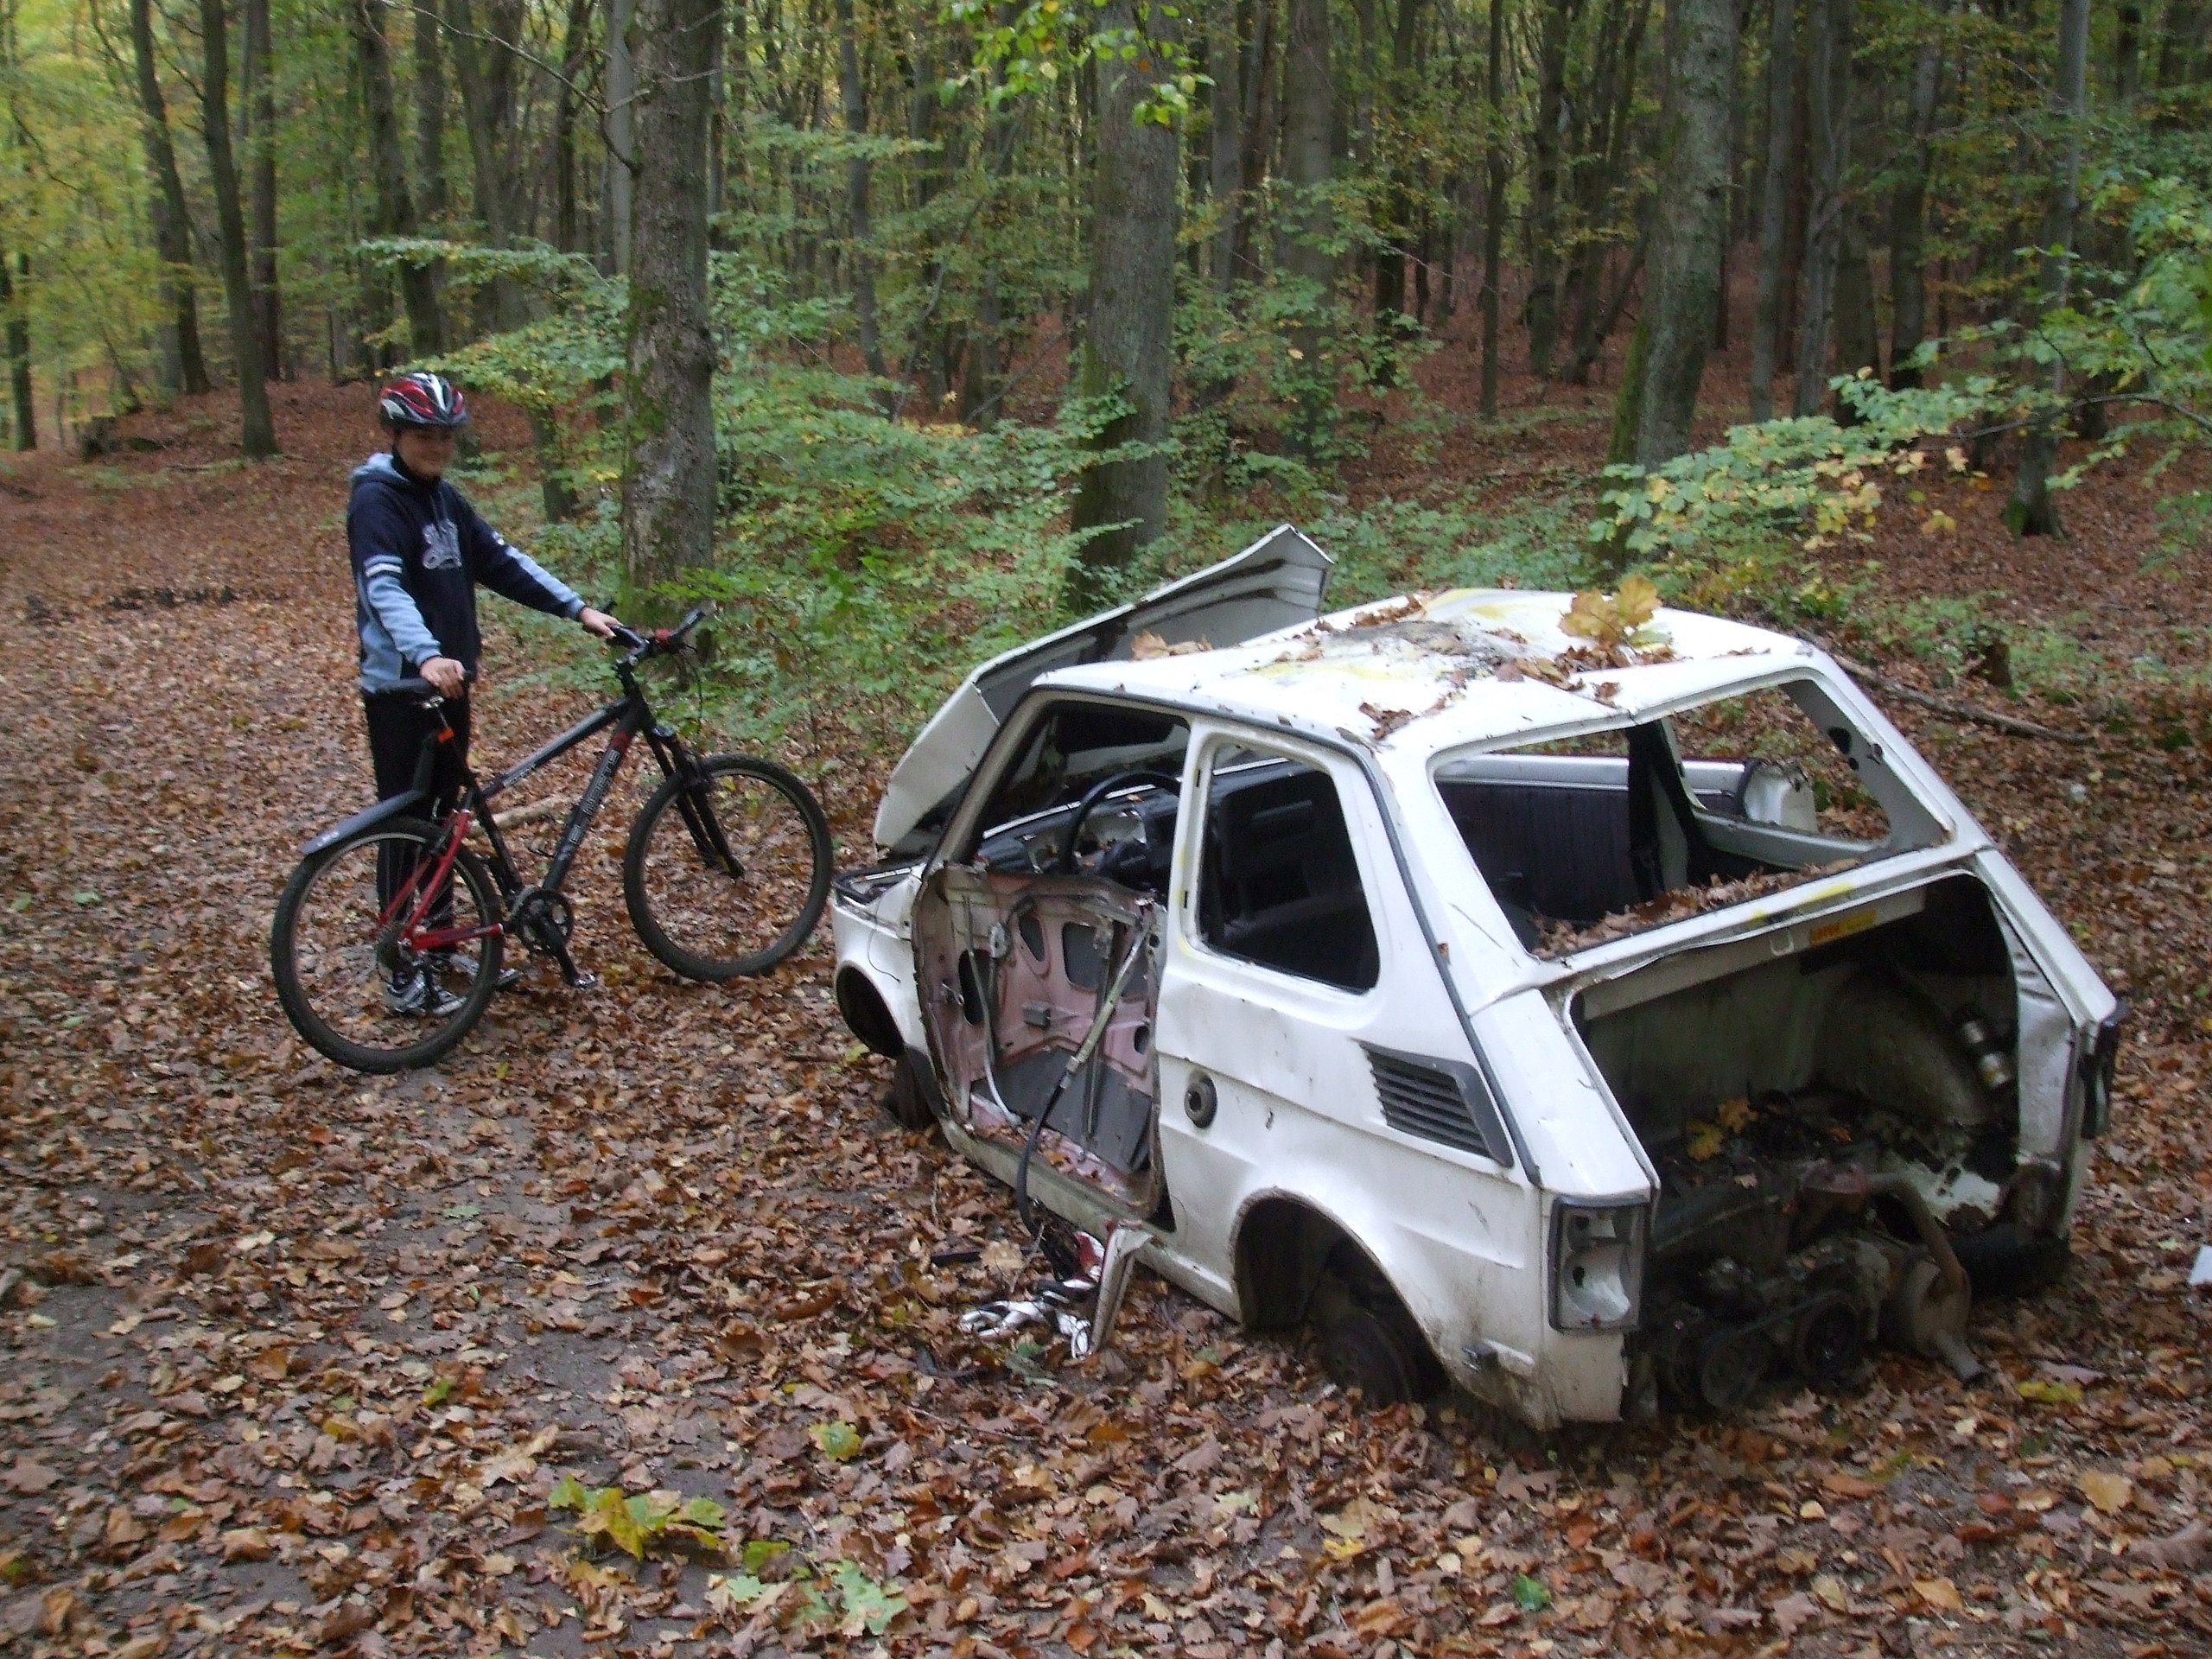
(1603, 1009)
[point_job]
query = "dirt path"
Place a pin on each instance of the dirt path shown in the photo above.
(297, 1358)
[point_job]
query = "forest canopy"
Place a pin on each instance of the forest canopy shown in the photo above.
(1015, 306)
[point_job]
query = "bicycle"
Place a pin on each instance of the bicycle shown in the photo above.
(726, 874)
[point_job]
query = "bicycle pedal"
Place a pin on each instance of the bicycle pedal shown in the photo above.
(581, 981)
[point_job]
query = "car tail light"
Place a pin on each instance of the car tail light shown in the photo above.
(1597, 1265)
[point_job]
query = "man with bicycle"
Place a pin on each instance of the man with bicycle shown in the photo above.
(419, 551)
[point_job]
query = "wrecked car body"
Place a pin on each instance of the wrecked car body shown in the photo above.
(1603, 1025)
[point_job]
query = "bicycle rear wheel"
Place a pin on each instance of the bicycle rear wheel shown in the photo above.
(727, 875)
(346, 982)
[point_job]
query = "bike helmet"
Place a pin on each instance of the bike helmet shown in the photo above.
(423, 399)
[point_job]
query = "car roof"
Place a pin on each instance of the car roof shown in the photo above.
(1444, 670)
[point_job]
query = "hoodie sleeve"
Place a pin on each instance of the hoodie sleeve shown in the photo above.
(511, 572)
(375, 533)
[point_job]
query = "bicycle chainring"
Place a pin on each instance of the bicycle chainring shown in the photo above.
(538, 917)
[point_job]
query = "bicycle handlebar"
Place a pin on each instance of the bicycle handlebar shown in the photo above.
(660, 640)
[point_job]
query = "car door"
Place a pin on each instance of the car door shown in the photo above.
(1308, 1049)
(1021, 950)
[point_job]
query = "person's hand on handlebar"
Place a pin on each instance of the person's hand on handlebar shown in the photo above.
(596, 622)
(446, 675)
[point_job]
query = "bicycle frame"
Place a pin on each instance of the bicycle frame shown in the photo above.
(629, 717)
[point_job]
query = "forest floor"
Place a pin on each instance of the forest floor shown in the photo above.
(293, 1359)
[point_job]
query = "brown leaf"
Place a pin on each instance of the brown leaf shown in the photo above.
(1839, 1482)
(247, 1544)
(2109, 1492)
(2179, 1551)
(28, 1476)
(1794, 1612)
(1938, 1593)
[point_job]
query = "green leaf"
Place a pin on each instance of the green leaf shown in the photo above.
(1529, 1594)
(439, 1392)
(759, 1552)
(20, 903)
(2050, 1392)
(568, 1493)
(869, 1605)
(85, 896)
(839, 1442)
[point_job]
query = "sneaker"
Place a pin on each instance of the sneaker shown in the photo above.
(461, 964)
(416, 991)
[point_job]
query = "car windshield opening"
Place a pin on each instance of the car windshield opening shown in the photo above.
(1608, 832)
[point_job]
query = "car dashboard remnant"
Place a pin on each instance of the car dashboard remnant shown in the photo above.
(1604, 1019)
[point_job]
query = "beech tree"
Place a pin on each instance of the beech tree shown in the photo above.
(668, 478)
(257, 431)
(1126, 351)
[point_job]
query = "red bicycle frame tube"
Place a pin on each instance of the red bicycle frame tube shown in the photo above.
(424, 894)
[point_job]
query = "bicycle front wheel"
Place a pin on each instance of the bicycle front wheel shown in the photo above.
(727, 873)
(355, 980)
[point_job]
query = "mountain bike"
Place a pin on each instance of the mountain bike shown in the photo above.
(726, 873)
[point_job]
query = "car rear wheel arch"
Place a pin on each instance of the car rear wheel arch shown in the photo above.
(1296, 1265)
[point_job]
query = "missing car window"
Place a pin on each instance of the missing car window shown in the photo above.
(1607, 833)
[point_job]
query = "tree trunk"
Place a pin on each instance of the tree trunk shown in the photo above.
(434, 196)
(2127, 53)
(395, 206)
(1774, 202)
(1308, 130)
(258, 95)
(853, 98)
(1543, 305)
(1689, 237)
(2178, 43)
(1827, 76)
(1493, 203)
(485, 56)
(257, 433)
(668, 480)
(19, 349)
(575, 41)
(2032, 510)
(1128, 337)
(1225, 140)
(172, 220)
(1908, 221)
(622, 158)
(1261, 81)
(1858, 331)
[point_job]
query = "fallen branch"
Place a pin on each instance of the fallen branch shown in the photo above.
(1966, 711)
(533, 812)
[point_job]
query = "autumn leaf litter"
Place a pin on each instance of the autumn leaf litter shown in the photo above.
(301, 1362)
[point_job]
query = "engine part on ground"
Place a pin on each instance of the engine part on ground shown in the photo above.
(1827, 1342)
(1927, 1313)
(1732, 1363)
(1883, 1041)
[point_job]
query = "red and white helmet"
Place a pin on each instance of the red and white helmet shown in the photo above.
(423, 399)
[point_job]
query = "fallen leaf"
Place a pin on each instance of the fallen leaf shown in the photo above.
(1828, 1590)
(1938, 1593)
(2108, 1491)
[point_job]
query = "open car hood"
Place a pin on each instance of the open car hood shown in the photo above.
(1277, 582)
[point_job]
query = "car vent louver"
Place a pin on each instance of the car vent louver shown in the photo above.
(1438, 1100)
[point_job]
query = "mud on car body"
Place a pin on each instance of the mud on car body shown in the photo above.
(1600, 1029)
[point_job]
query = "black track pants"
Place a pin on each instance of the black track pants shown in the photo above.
(397, 726)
